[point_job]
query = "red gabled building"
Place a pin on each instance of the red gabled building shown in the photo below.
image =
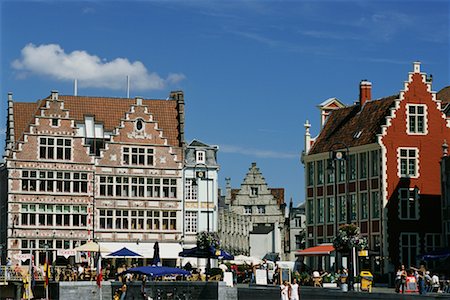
(394, 149)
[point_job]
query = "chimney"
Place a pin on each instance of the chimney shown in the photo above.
(365, 91)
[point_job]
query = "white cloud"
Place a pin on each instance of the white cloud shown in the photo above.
(90, 70)
(257, 152)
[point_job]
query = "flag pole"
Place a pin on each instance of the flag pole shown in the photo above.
(46, 273)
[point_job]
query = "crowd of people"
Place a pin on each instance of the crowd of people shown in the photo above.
(417, 279)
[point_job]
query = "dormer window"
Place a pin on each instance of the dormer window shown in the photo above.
(139, 125)
(55, 123)
(200, 157)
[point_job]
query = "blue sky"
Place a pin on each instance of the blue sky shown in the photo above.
(252, 71)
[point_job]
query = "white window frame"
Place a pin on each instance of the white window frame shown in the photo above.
(254, 191)
(191, 221)
(416, 116)
(409, 200)
(148, 155)
(191, 191)
(408, 158)
(200, 157)
(248, 210)
(261, 209)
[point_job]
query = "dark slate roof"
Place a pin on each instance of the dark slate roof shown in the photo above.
(353, 126)
(444, 95)
(197, 143)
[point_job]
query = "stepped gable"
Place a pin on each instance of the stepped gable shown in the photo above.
(354, 126)
(108, 111)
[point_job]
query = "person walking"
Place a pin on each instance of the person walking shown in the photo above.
(295, 290)
(403, 276)
(285, 290)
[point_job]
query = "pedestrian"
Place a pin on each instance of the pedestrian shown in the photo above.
(403, 276)
(123, 292)
(295, 290)
(285, 290)
(421, 272)
(398, 279)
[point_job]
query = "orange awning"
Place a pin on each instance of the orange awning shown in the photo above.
(324, 249)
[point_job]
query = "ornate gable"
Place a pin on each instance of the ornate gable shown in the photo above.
(139, 128)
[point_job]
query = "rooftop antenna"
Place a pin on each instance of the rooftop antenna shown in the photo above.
(128, 86)
(75, 87)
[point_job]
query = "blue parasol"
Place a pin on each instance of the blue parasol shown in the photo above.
(124, 252)
(155, 271)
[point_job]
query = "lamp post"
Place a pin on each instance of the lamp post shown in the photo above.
(201, 175)
(1, 254)
(338, 156)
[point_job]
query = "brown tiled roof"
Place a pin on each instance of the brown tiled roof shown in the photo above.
(343, 125)
(278, 193)
(108, 111)
(444, 95)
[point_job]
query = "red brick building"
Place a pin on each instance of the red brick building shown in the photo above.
(82, 168)
(393, 180)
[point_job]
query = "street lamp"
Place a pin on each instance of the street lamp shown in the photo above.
(203, 175)
(1, 254)
(338, 156)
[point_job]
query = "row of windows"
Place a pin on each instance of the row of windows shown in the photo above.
(410, 246)
(407, 167)
(260, 209)
(317, 210)
(137, 219)
(138, 156)
(51, 181)
(118, 186)
(55, 148)
(53, 215)
(52, 244)
(357, 164)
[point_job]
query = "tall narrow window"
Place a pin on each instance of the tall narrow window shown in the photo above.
(375, 200)
(191, 222)
(409, 247)
(342, 170)
(320, 172)
(408, 204)
(364, 206)
(310, 211)
(407, 162)
(331, 166)
(363, 165)
(417, 118)
(352, 163)
(331, 208)
(310, 167)
(320, 210)
(190, 190)
(342, 209)
(354, 207)
(375, 163)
